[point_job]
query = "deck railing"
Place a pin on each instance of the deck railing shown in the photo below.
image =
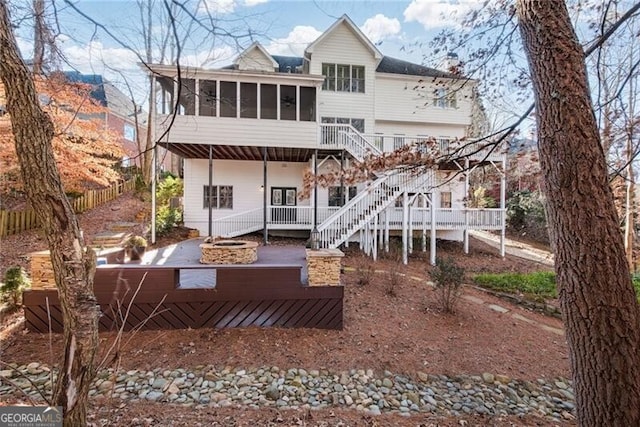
(446, 146)
(343, 136)
(450, 218)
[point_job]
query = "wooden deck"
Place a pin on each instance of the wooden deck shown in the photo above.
(150, 297)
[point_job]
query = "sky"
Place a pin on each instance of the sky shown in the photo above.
(284, 27)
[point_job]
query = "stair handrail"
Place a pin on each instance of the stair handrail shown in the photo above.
(349, 138)
(397, 181)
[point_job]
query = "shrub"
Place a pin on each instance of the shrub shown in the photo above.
(15, 281)
(447, 276)
(364, 271)
(166, 219)
(168, 188)
(394, 275)
(525, 213)
(136, 241)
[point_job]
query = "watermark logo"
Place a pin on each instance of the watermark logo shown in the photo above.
(30, 416)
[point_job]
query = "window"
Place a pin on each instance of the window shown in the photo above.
(228, 99)
(221, 197)
(268, 101)
(129, 132)
(287, 102)
(208, 98)
(337, 195)
(343, 77)
(249, 100)
(444, 98)
(445, 200)
(358, 124)
(187, 100)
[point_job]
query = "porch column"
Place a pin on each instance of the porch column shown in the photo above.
(432, 253)
(315, 191)
(405, 226)
(465, 234)
(386, 230)
(424, 224)
(265, 230)
(196, 96)
(374, 238)
(152, 114)
(210, 205)
(154, 156)
(410, 232)
(503, 196)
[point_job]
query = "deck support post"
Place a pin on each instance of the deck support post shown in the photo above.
(374, 238)
(315, 190)
(405, 226)
(410, 233)
(424, 224)
(152, 108)
(154, 156)
(210, 205)
(386, 230)
(466, 206)
(503, 196)
(265, 230)
(432, 253)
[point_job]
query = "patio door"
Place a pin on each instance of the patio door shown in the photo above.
(283, 202)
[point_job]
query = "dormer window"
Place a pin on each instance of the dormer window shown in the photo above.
(343, 77)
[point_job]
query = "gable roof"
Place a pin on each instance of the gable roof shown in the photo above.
(288, 64)
(398, 66)
(344, 19)
(256, 45)
(107, 95)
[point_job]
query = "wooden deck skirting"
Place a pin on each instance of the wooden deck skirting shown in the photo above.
(243, 296)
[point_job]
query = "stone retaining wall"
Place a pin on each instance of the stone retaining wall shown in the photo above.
(324, 267)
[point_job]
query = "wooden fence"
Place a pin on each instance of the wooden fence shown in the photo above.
(14, 222)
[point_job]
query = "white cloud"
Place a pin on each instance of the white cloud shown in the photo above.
(439, 13)
(222, 7)
(219, 57)
(380, 27)
(94, 57)
(295, 42)
(251, 3)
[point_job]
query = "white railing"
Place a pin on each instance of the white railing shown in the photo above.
(343, 136)
(445, 146)
(368, 203)
(449, 218)
(291, 217)
(238, 224)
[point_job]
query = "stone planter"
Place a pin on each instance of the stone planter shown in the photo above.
(229, 252)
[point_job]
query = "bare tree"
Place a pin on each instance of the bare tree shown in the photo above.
(73, 264)
(599, 305)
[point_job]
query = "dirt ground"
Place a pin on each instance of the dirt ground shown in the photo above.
(399, 328)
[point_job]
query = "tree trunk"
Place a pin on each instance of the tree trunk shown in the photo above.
(599, 305)
(72, 264)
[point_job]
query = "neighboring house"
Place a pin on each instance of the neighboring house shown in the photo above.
(341, 101)
(123, 117)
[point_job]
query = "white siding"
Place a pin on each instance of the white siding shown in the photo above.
(255, 60)
(343, 47)
(246, 179)
(398, 100)
(232, 131)
(415, 129)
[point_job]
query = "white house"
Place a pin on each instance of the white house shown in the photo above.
(248, 132)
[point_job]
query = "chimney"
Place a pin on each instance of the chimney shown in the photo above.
(452, 63)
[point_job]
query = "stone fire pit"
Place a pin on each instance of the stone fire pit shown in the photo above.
(229, 252)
